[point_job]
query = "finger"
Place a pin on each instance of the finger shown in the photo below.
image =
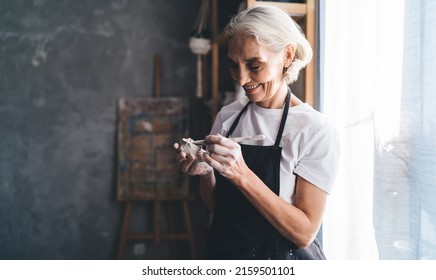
(216, 149)
(225, 150)
(185, 164)
(219, 158)
(181, 157)
(213, 139)
(220, 140)
(200, 155)
(176, 146)
(213, 163)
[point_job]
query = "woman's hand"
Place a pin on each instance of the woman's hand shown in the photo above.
(225, 156)
(193, 164)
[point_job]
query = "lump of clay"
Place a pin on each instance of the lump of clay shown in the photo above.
(188, 147)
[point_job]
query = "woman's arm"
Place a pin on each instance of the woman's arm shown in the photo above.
(207, 190)
(298, 223)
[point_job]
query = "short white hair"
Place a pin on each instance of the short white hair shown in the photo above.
(273, 28)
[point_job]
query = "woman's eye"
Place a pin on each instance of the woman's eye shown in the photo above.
(255, 68)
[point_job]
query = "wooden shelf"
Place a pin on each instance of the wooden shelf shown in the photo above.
(294, 9)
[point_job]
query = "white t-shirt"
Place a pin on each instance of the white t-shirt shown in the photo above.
(309, 143)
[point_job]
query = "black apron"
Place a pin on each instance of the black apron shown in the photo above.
(238, 230)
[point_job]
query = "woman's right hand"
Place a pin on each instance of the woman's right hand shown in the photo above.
(192, 164)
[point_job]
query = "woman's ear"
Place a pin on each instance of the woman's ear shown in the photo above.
(289, 55)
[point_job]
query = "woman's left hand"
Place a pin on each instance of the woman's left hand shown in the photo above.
(225, 156)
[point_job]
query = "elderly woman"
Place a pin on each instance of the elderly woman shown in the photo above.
(267, 197)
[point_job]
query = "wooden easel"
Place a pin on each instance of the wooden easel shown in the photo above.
(147, 170)
(157, 235)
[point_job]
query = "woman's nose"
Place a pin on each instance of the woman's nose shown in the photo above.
(241, 76)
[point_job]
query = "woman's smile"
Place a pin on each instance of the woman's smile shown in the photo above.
(250, 89)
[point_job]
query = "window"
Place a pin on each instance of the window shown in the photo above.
(376, 64)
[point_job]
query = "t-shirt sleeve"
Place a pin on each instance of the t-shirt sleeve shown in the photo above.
(319, 158)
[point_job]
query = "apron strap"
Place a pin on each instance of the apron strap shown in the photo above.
(284, 117)
(235, 123)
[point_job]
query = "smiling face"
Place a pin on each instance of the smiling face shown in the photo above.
(259, 71)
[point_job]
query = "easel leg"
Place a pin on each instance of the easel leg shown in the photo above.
(189, 228)
(157, 236)
(171, 227)
(124, 230)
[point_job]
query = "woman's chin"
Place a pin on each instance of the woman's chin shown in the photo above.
(253, 97)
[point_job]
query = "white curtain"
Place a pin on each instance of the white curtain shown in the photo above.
(378, 74)
(405, 203)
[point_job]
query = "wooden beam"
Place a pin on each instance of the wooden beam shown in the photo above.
(215, 60)
(309, 91)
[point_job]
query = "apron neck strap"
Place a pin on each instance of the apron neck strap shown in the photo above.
(284, 118)
(235, 123)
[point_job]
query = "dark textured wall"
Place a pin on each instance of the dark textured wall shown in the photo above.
(63, 66)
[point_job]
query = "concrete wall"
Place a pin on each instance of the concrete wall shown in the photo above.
(63, 66)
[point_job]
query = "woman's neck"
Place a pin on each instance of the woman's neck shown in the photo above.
(277, 101)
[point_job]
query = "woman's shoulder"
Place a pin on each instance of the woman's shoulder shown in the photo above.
(310, 119)
(304, 111)
(233, 108)
(227, 114)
